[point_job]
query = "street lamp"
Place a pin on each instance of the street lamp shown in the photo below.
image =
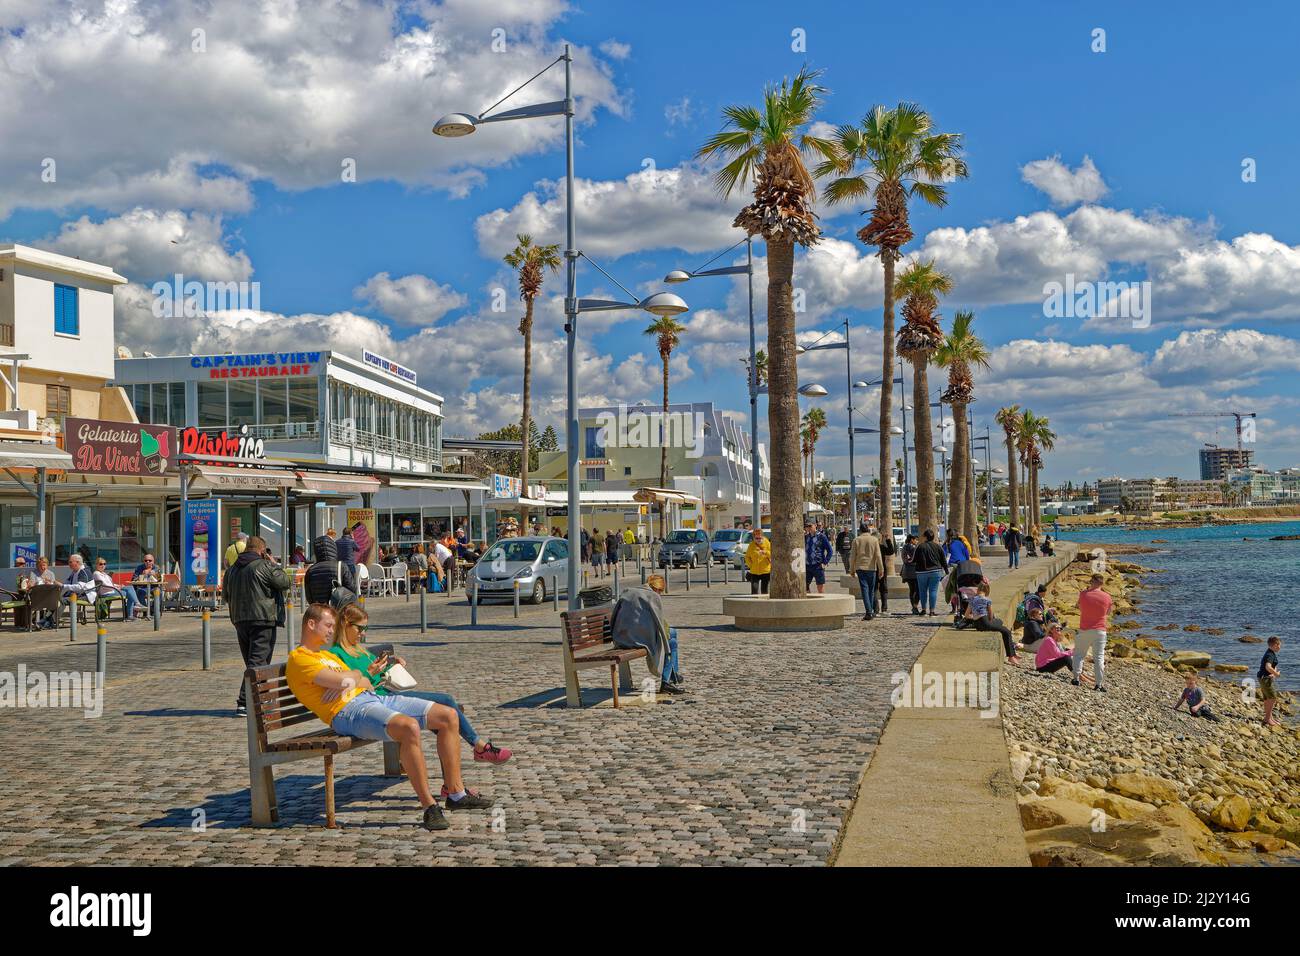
(679, 275)
(462, 124)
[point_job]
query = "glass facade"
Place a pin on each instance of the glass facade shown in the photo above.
(273, 408)
(366, 420)
(119, 534)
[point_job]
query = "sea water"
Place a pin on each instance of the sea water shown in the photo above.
(1226, 576)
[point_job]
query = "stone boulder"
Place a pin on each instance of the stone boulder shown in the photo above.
(1144, 787)
(1196, 659)
(1231, 813)
(1113, 804)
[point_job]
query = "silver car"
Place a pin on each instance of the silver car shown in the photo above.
(729, 544)
(536, 563)
(684, 546)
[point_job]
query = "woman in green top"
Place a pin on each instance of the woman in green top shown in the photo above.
(349, 647)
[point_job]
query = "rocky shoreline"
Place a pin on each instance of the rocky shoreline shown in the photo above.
(1121, 778)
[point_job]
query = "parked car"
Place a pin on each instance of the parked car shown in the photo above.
(535, 562)
(684, 547)
(728, 544)
(900, 536)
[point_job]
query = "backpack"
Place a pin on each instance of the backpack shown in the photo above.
(1021, 614)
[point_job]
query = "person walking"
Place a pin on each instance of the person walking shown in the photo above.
(888, 548)
(929, 562)
(252, 586)
(1012, 539)
(909, 572)
(1094, 607)
(844, 545)
(817, 551)
(758, 562)
(869, 567)
(348, 549)
(613, 542)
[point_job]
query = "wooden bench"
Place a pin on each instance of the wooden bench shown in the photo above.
(272, 706)
(588, 642)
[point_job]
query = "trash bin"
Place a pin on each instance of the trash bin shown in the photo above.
(596, 596)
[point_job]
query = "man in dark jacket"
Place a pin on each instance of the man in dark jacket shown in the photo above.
(1013, 539)
(347, 550)
(326, 573)
(252, 586)
(844, 544)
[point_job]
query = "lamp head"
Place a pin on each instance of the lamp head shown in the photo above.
(799, 350)
(677, 275)
(455, 124)
(812, 390)
(895, 430)
(664, 303)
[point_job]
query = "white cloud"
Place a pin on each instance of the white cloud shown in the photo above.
(616, 50)
(154, 244)
(1209, 356)
(283, 92)
(1065, 187)
(412, 301)
(679, 113)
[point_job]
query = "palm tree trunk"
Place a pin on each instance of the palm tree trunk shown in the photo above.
(1013, 483)
(524, 422)
(885, 512)
(663, 453)
(971, 510)
(924, 445)
(957, 473)
(783, 421)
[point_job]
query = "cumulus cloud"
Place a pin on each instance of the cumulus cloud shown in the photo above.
(1206, 356)
(616, 50)
(679, 113)
(283, 92)
(413, 300)
(154, 244)
(1065, 186)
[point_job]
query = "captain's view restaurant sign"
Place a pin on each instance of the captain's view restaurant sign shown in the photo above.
(258, 364)
(120, 448)
(388, 366)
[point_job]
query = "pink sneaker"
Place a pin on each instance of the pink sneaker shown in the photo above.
(492, 754)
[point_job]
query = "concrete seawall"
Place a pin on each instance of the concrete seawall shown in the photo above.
(938, 790)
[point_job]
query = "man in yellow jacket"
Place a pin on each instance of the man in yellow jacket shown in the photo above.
(758, 559)
(866, 562)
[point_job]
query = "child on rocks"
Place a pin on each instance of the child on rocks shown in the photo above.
(1197, 705)
(1267, 676)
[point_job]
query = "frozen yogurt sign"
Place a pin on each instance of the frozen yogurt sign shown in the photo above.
(120, 448)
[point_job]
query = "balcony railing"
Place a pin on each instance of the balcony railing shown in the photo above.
(382, 444)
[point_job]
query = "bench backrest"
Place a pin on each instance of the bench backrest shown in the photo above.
(273, 705)
(588, 628)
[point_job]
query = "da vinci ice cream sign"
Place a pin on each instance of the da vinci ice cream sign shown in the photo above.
(120, 448)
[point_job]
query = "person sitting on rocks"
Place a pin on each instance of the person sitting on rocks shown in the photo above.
(1197, 705)
(639, 621)
(1037, 599)
(1051, 656)
(979, 610)
(1047, 549)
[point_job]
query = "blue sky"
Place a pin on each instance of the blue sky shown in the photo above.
(224, 162)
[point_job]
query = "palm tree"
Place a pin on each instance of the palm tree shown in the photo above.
(1009, 417)
(805, 451)
(961, 352)
(769, 143)
(815, 421)
(760, 363)
(532, 262)
(900, 155)
(1025, 428)
(921, 336)
(1044, 440)
(668, 332)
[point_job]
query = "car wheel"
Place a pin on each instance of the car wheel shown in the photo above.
(692, 560)
(539, 593)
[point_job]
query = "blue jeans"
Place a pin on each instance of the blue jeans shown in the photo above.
(671, 674)
(927, 584)
(867, 585)
(1013, 558)
(467, 732)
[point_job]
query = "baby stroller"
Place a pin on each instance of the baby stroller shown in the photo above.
(963, 581)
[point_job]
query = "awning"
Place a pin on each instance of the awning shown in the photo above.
(338, 484)
(434, 483)
(28, 454)
(254, 479)
(665, 494)
(515, 502)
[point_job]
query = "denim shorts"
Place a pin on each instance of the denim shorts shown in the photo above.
(367, 715)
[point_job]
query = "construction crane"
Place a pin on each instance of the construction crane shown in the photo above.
(1237, 415)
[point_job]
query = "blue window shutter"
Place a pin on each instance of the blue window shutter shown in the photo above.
(74, 311)
(66, 317)
(58, 308)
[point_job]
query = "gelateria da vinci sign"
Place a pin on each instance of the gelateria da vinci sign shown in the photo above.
(120, 448)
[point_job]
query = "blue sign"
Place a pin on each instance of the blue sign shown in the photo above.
(25, 551)
(506, 486)
(387, 365)
(202, 557)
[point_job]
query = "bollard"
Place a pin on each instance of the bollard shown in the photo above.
(72, 617)
(616, 579)
(708, 573)
(473, 605)
(643, 577)
(424, 614)
(207, 639)
(156, 606)
(451, 581)
(726, 568)
(361, 599)
(555, 592)
(288, 622)
(688, 577)
(516, 595)
(668, 577)
(101, 644)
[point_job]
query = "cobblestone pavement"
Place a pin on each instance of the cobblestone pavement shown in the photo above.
(756, 766)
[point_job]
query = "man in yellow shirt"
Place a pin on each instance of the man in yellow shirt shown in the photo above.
(345, 700)
(237, 547)
(758, 560)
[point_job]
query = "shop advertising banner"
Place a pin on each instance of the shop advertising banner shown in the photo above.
(505, 486)
(202, 540)
(120, 448)
(362, 523)
(25, 551)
